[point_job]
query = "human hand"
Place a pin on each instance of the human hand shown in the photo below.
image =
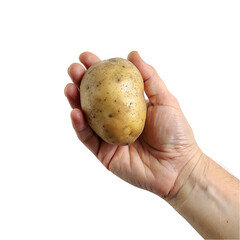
(162, 158)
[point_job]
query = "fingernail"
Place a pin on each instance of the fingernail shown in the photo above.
(136, 52)
(139, 56)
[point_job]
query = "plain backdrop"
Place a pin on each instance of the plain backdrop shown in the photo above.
(51, 187)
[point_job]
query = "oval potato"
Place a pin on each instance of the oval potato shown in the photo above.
(112, 99)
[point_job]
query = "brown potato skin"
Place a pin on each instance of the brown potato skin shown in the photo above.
(112, 99)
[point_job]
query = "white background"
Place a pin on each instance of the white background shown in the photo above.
(51, 187)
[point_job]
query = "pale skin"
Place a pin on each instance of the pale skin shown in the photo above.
(166, 158)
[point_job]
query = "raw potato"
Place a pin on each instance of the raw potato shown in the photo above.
(112, 98)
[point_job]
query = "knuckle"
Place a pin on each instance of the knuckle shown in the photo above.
(174, 101)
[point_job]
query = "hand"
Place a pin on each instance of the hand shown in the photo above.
(165, 152)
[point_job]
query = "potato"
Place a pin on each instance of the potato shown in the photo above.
(112, 99)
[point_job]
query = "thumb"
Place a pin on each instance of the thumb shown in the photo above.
(154, 86)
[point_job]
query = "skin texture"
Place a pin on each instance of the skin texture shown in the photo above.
(165, 159)
(209, 200)
(112, 99)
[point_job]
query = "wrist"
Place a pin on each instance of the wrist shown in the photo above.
(207, 196)
(188, 177)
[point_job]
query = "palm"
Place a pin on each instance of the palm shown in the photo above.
(149, 162)
(155, 159)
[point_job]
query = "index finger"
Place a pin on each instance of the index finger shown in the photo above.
(88, 59)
